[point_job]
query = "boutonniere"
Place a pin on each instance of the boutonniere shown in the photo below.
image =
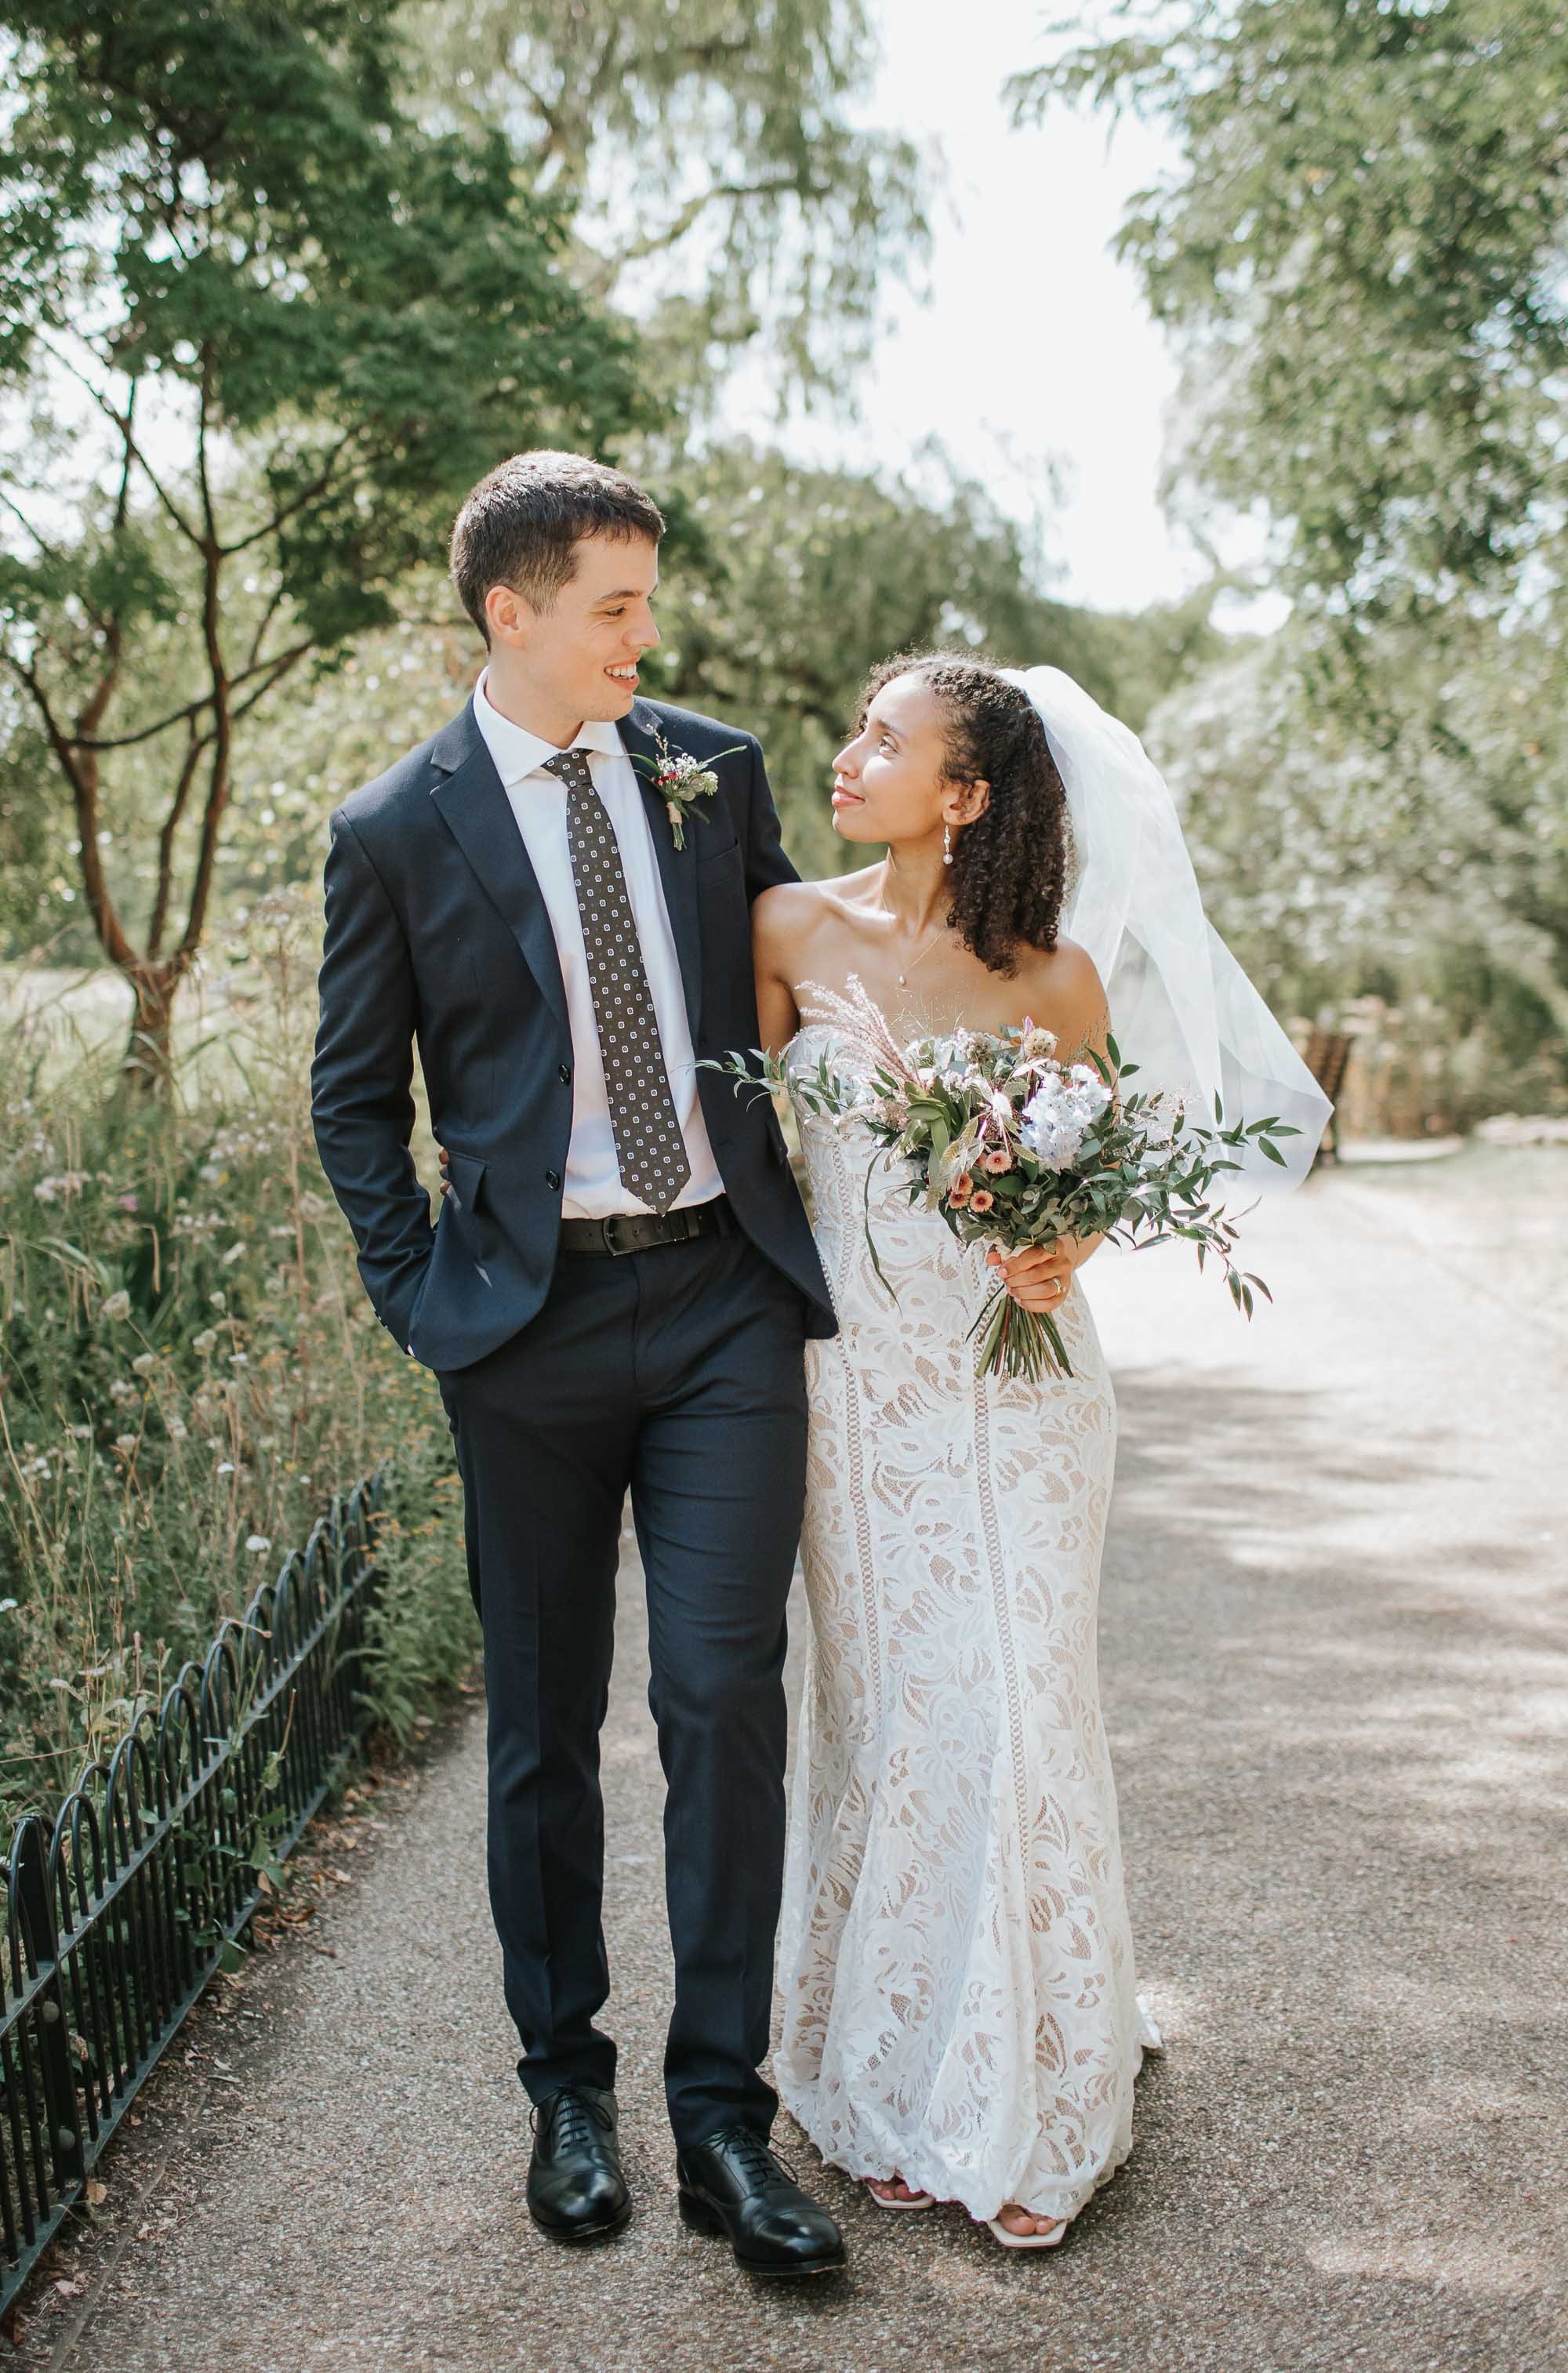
(680, 779)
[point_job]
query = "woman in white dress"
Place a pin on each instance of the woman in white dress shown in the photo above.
(960, 2018)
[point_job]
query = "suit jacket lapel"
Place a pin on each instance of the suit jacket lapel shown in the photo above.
(477, 811)
(677, 867)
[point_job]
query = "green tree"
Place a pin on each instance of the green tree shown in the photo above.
(1427, 861)
(261, 332)
(721, 189)
(1362, 251)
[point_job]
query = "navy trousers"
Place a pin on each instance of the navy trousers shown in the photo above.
(677, 1373)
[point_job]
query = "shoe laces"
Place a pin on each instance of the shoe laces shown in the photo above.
(757, 2158)
(570, 2117)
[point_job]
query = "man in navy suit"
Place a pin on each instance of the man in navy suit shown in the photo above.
(614, 1297)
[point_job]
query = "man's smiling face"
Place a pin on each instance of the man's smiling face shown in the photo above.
(578, 659)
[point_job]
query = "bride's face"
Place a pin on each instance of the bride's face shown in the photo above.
(889, 783)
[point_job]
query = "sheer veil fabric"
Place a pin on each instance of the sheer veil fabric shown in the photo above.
(1181, 1006)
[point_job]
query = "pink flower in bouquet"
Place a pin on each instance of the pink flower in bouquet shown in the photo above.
(963, 1187)
(981, 1199)
(997, 1161)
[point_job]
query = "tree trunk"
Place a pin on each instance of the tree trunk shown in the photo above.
(148, 1067)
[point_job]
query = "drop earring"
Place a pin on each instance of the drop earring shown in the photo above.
(947, 843)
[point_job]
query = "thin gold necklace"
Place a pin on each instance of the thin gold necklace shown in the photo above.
(923, 954)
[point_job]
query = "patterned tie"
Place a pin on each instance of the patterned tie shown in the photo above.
(649, 1149)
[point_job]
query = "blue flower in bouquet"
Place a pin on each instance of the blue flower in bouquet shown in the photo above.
(1064, 1106)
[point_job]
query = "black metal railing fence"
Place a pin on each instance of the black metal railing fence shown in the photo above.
(119, 1910)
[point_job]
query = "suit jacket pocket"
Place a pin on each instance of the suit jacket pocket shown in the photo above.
(466, 1173)
(713, 863)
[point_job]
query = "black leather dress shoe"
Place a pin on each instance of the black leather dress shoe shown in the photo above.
(732, 2184)
(576, 2188)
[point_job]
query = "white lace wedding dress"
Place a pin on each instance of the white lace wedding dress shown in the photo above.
(956, 1965)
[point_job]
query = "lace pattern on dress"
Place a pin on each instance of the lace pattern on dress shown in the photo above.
(955, 1959)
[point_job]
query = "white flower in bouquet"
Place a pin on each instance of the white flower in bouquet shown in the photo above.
(1062, 1108)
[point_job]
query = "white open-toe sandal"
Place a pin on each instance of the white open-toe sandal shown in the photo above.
(1027, 2241)
(916, 2200)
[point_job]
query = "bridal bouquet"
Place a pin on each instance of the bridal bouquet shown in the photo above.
(1014, 1148)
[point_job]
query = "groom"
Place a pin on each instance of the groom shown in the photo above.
(614, 1297)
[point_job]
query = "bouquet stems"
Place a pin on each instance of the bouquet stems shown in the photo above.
(1018, 1342)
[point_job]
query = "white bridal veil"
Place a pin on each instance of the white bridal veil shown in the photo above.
(1181, 1006)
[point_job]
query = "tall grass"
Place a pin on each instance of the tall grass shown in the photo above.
(187, 1367)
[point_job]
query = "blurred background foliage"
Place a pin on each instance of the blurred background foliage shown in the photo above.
(1361, 259)
(275, 294)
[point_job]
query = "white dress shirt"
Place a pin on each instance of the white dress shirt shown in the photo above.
(592, 1187)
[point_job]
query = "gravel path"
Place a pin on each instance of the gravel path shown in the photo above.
(1334, 1673)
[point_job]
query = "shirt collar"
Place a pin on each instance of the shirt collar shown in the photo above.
(518, 752)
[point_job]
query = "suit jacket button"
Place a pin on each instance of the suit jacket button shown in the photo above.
(566, 1075)
(552, 1179)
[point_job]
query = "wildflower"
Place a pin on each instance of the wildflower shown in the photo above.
(258, 1543)
(125, 1443)
(118, 1305)
(121, 1390)
(176, 1428)
(126, 1202)
(203, 1342)
(68, 1182)
(82, 1433)
(225, 1467)
(145, 1362)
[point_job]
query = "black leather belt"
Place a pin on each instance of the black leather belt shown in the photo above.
(638, 1231)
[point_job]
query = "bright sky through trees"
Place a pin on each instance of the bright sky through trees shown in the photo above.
(1037, 343)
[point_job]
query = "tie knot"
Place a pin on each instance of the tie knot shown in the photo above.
(572, 768)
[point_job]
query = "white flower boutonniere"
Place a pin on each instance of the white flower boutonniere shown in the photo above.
(680, 779)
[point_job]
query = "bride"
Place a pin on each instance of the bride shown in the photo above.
(960, 2016)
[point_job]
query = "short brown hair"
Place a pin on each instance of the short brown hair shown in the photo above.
(521, 525)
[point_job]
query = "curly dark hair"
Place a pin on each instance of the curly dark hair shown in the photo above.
(1009, 865)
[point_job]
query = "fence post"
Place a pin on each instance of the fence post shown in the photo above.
(41, 1944)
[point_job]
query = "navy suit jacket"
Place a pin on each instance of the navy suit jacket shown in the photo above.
(437, 932)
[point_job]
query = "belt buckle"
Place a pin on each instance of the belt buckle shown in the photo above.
(612, 1244)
